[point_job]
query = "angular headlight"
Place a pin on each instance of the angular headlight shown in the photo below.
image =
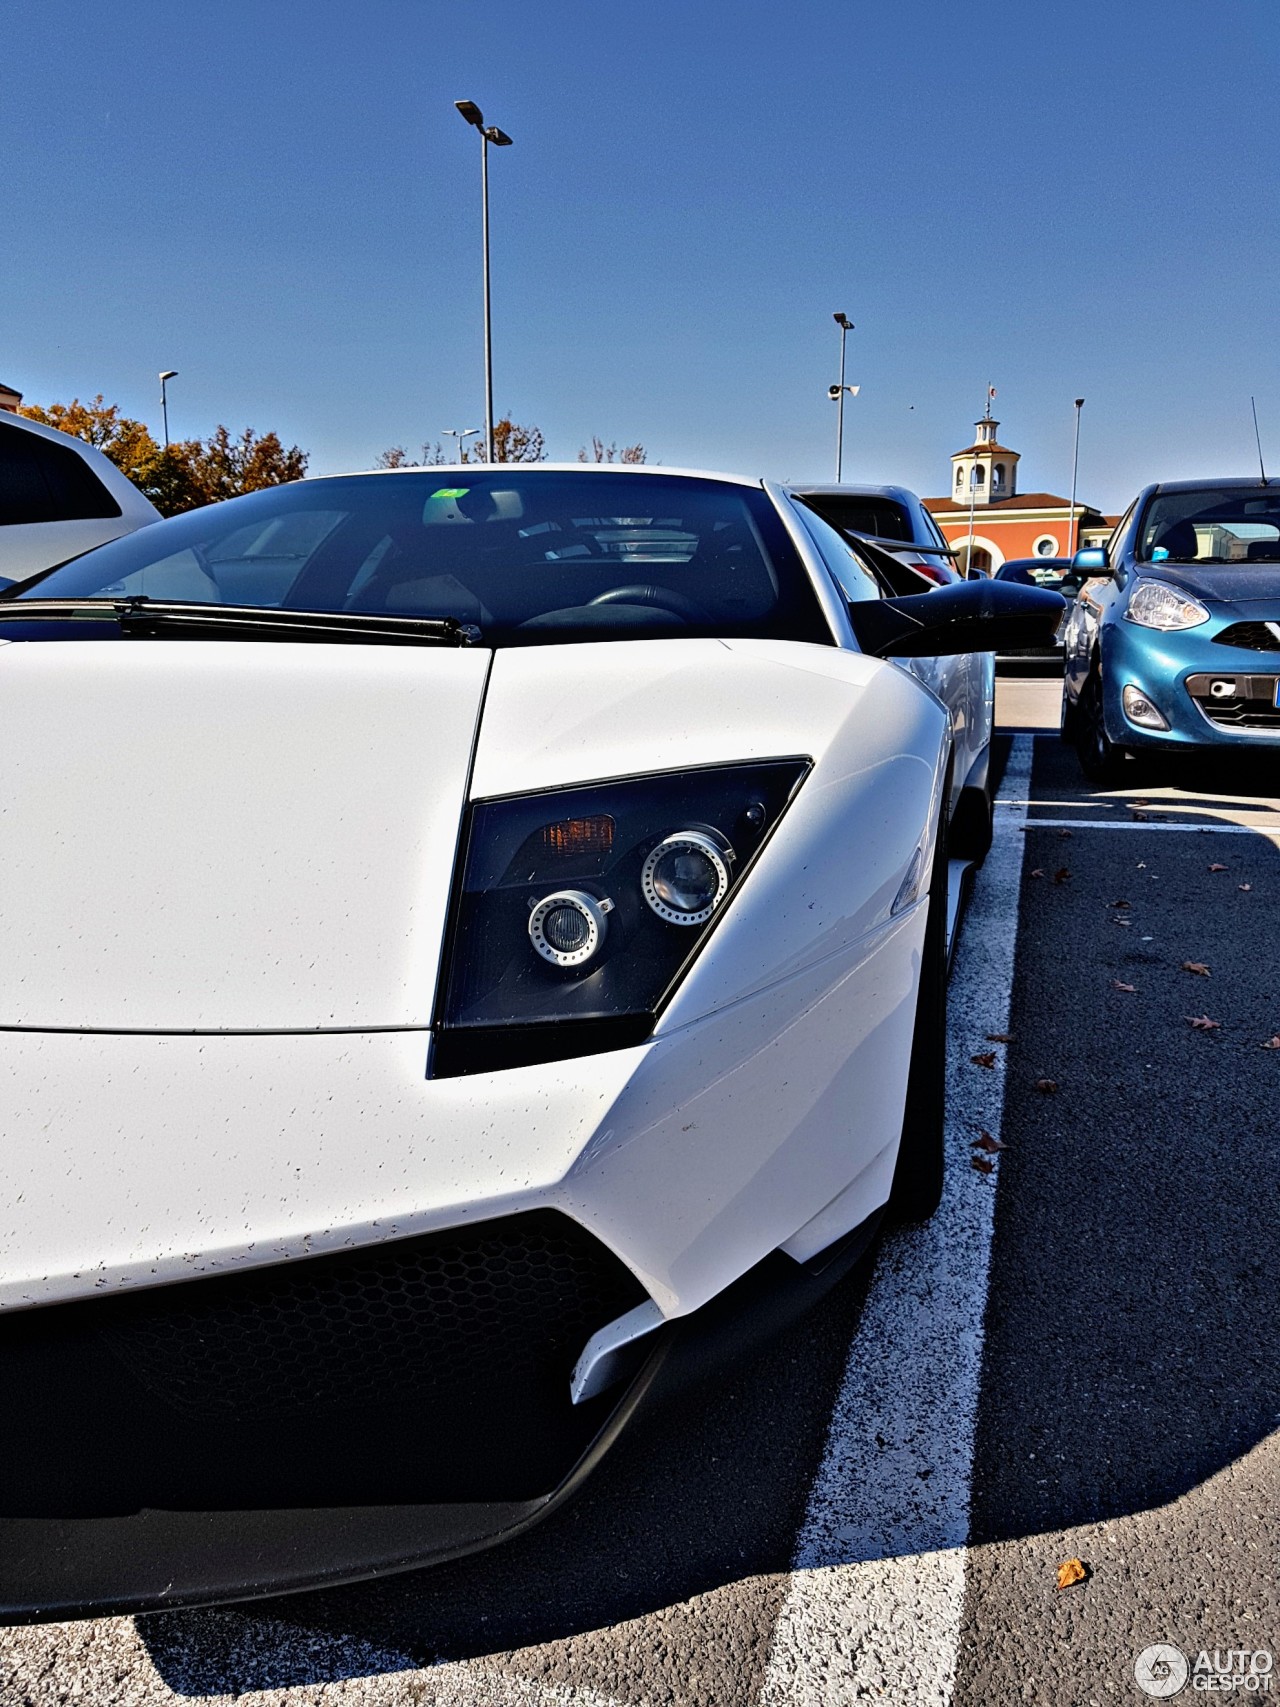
(1157, 605)
(579, 911)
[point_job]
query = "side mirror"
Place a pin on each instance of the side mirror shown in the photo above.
(968, 616)
(1090, 563)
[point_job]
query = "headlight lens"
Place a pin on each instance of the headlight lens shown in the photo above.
(686, 877)
(579, 911)
(1156, 605)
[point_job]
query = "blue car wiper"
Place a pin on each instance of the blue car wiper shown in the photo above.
(144, 618)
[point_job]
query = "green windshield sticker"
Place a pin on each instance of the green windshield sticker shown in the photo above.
(451, 492)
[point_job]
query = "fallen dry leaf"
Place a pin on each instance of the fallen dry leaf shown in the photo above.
(1046, 1087)
(1273, 1042)
(1198, 967)
(1066, 833)
(1142, 817)
(1244, 888)
(1202, 1022)
(986, 1059)
(1130, 989)
(999, 1037)
(1217, 868)
(1037, 872)
(988, 1143)
(1122, 903)
(982, 1164)
(1071, 1572)
(1061, 875)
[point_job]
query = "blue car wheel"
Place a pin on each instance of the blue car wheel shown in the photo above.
(1100, 758)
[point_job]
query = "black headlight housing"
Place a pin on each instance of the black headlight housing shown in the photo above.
(576, 912)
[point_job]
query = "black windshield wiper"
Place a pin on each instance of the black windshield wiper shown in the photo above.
(143, 618)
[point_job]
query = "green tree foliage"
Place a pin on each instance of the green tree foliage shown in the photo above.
(187, 473)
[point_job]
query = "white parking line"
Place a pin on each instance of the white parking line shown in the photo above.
(874, 1607)
(1152, 824)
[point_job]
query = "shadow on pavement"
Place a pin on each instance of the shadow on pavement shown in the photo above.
(1133, 1340)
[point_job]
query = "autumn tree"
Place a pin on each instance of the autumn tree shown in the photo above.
(601, 452)
(511, 443)
(398, 457)
(183, 475)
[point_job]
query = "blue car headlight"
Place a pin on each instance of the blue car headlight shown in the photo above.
(578, 911)
(1155, 604)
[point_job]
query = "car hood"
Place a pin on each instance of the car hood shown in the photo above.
(1221, 583)
(212, 836)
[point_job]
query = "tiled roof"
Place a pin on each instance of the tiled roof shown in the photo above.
(997, 450)
(1021, 501)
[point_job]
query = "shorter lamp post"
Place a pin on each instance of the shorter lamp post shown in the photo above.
(170, 373)
(837, 393)
(1075, 464)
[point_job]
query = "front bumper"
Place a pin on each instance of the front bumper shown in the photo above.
(128, 1499)
(254, 1385)
(1186, 676)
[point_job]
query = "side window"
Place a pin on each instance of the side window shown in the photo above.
(848, 571)
(41, 481)
(934, 531)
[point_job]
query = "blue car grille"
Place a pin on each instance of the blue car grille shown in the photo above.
(1236, 701)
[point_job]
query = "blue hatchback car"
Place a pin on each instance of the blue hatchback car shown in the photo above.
(1174, 640)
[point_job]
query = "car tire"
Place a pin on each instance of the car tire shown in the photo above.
(917, 1179)
(1100, 758)
(1069, 720)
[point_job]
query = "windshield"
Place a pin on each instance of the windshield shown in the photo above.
(1224, 524)
(524, 555)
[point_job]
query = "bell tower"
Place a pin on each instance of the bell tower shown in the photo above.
(985, 471)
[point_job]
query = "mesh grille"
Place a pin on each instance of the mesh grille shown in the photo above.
(1237, 713)
(1251, 636)
(457, 1313)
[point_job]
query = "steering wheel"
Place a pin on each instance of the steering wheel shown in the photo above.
(662, 598)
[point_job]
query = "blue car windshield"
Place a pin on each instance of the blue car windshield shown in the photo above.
(525, 555)
(1212, 524)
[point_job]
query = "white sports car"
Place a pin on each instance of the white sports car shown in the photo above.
(480, 938)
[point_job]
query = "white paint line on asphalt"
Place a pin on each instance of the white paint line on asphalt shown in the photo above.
(1270, 830)
(874, 1606)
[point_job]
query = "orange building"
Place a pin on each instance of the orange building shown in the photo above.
(988, 520)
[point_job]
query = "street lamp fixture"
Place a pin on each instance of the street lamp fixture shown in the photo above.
(461, 436)
(488, 134)
(170, 373)
(837, 393)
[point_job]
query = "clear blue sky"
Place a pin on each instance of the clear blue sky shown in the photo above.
(1065, 198)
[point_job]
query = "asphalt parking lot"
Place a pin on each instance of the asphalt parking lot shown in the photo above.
(1078, 1359)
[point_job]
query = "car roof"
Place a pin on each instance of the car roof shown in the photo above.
(1241, 481)
(805, 489)
(590, 469)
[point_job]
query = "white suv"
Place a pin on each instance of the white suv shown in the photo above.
(58, 497)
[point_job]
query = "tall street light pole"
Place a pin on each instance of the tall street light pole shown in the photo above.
(1075, 464)
(846, 326)
(488, 133)
(171, 373)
